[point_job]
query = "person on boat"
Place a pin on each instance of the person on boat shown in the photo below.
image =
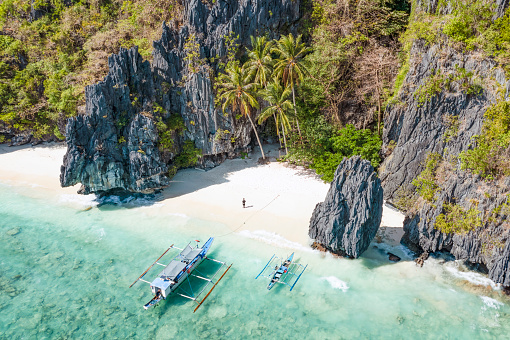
(244, 203)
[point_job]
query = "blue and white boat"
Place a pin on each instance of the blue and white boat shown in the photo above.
(169, 280)
(284, 272)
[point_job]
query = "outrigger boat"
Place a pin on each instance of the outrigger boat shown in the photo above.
(284, 272)
(179, 270)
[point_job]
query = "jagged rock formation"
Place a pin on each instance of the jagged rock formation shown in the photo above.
(114, 146)
(445, 123)
(487, 246)
(416, 128)
(349, 218)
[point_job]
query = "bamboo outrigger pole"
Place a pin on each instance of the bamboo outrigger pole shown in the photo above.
(205, 297)
(151, 266)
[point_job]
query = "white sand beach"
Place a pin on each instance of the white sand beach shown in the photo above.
(279, 198)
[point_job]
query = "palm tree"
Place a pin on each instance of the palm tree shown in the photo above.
(260, 62)
(238, 91)
(278, 98)
(289, 67)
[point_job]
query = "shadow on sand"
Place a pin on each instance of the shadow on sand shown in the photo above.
(190, 180)
(5, 148)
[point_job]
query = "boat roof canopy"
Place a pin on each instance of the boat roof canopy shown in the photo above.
(172, 270)
(188, 253)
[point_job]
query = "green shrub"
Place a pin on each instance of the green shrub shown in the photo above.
(425, 183)
(452, 130)
(468, 21)
(189, 155)
(348, 142)
(456, 220)
(45, 64)
(166, 130)
(439, 82)
(434, 84)
(487, 158)
(176, 123)
(496, 41)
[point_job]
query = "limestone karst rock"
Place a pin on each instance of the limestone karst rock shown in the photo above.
(114, 146)
(445, 123)
(350, 216)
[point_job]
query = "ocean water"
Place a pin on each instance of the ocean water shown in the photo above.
(65, 273)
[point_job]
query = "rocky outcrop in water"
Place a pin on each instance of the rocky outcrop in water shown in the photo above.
(115, 145)
(349, 218)
(444, 122)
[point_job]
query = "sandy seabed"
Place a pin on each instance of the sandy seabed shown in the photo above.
(279, 198)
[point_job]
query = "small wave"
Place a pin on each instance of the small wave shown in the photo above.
(336, 283)
(472, 277)
(102, 233)
(83, 200)
(274, 239)
(490, 302)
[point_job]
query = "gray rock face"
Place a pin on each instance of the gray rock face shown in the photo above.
(445, 124)
(488, 245)
(349, 218)
(114, 146)
(417, 129)
(431, 6)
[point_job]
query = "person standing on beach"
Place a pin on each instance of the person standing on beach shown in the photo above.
(244, 203)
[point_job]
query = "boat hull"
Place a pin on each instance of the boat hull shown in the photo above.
(183, 276)
(282, 269)
(168, 282)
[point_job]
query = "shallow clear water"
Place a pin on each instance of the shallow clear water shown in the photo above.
(65, 273)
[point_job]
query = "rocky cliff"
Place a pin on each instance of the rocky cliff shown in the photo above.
(348, 219)
(115, 144)
(439, 110)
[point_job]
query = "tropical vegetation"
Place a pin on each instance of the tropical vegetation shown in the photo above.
(51, 49)
(306, 87)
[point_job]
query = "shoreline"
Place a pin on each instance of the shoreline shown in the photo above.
(280, 199)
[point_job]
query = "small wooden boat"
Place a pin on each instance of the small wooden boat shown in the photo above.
(285, 272)
(169, 280)
(284, 267)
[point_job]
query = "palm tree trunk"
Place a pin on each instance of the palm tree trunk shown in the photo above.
(277, 130)
(284, 139)
(256, 135)
(295, 112)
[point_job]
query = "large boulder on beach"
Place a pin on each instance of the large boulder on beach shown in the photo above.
(347, 221)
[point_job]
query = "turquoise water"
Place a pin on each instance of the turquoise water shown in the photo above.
(65, 273)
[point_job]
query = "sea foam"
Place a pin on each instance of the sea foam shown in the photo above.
(274, 239)
(336, 283)
(490, 302)
(472, 277)
(81, 200)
